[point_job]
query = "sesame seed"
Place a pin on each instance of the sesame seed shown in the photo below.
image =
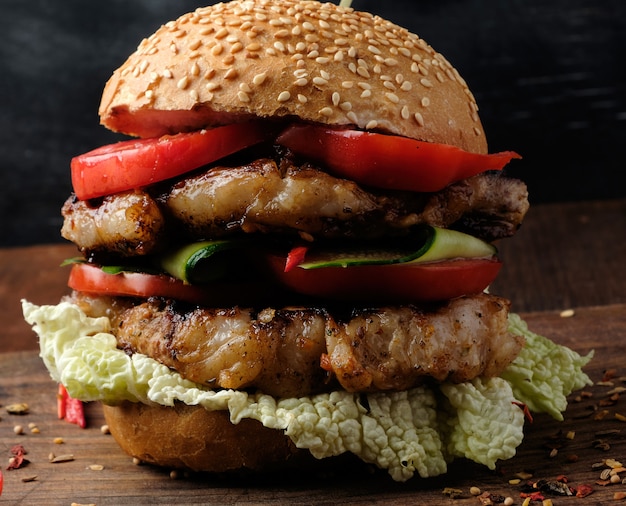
(320, 81)
(392, 97)
(426, 83)
(236, 47)
(253, 46)
(284, 96)
(366, 94)
(345, 106)
(406, 86)
(195, 44)
(336, 98)
(419, 119)
(347, 84)
(195, 69)
(223, 32)
(301, 73)
(425, 102)
(322, 59)
(302, 99)
(371, 124)
(324, 74)
(217, 50)
(243, 96)
(389, 85)
(259, 79)
(212, 86)
(405, 112)
(231, 74)
(245, 87)
(362, 71)
(183, 83)
(302, 81)
(326, 111)
(352, 117)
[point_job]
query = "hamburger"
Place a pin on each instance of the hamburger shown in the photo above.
(291, 255)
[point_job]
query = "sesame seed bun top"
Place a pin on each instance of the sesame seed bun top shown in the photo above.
(290, 58)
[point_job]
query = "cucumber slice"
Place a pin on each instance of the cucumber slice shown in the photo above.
(431, 244)
(199, 262)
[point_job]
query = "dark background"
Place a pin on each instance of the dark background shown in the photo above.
(548, 75)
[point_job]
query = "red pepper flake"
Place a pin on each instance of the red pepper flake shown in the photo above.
(534, 496)
(584, 490)
(609, 374)
(18, 459)
(70, 409)
(295, 257)
(1, 481)
(325, 362)
(527, 413)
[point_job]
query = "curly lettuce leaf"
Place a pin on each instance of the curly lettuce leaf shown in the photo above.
(544, 373)
(414, 432)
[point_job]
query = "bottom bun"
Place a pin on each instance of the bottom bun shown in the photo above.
(190, 437)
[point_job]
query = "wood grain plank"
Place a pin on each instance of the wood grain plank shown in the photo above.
(24, 379)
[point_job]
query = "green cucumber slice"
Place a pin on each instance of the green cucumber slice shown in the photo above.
(199, 262)
(431, 244)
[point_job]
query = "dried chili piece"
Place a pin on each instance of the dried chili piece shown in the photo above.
(70, 409)
(527, 414)
(583, 490)
(18, 460)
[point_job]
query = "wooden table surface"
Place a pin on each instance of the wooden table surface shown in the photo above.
(566, 256)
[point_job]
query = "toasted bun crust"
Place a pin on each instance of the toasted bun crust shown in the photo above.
(290, 58)
(190, 437)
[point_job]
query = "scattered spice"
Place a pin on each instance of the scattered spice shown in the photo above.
(18, 430)
(28, 479)
(96, 467)
(68, 457)
(567, 313)
(453, 493)
(20, 408)
(584, 490)
(70, 409)
(105, 429)
(527, 414)
(17, 460)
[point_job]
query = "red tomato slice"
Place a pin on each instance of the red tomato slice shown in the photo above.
(389, 161)
(391, 283)
(91, 279)
(140, 162)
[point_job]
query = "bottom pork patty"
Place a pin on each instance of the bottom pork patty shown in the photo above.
(296, 352)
